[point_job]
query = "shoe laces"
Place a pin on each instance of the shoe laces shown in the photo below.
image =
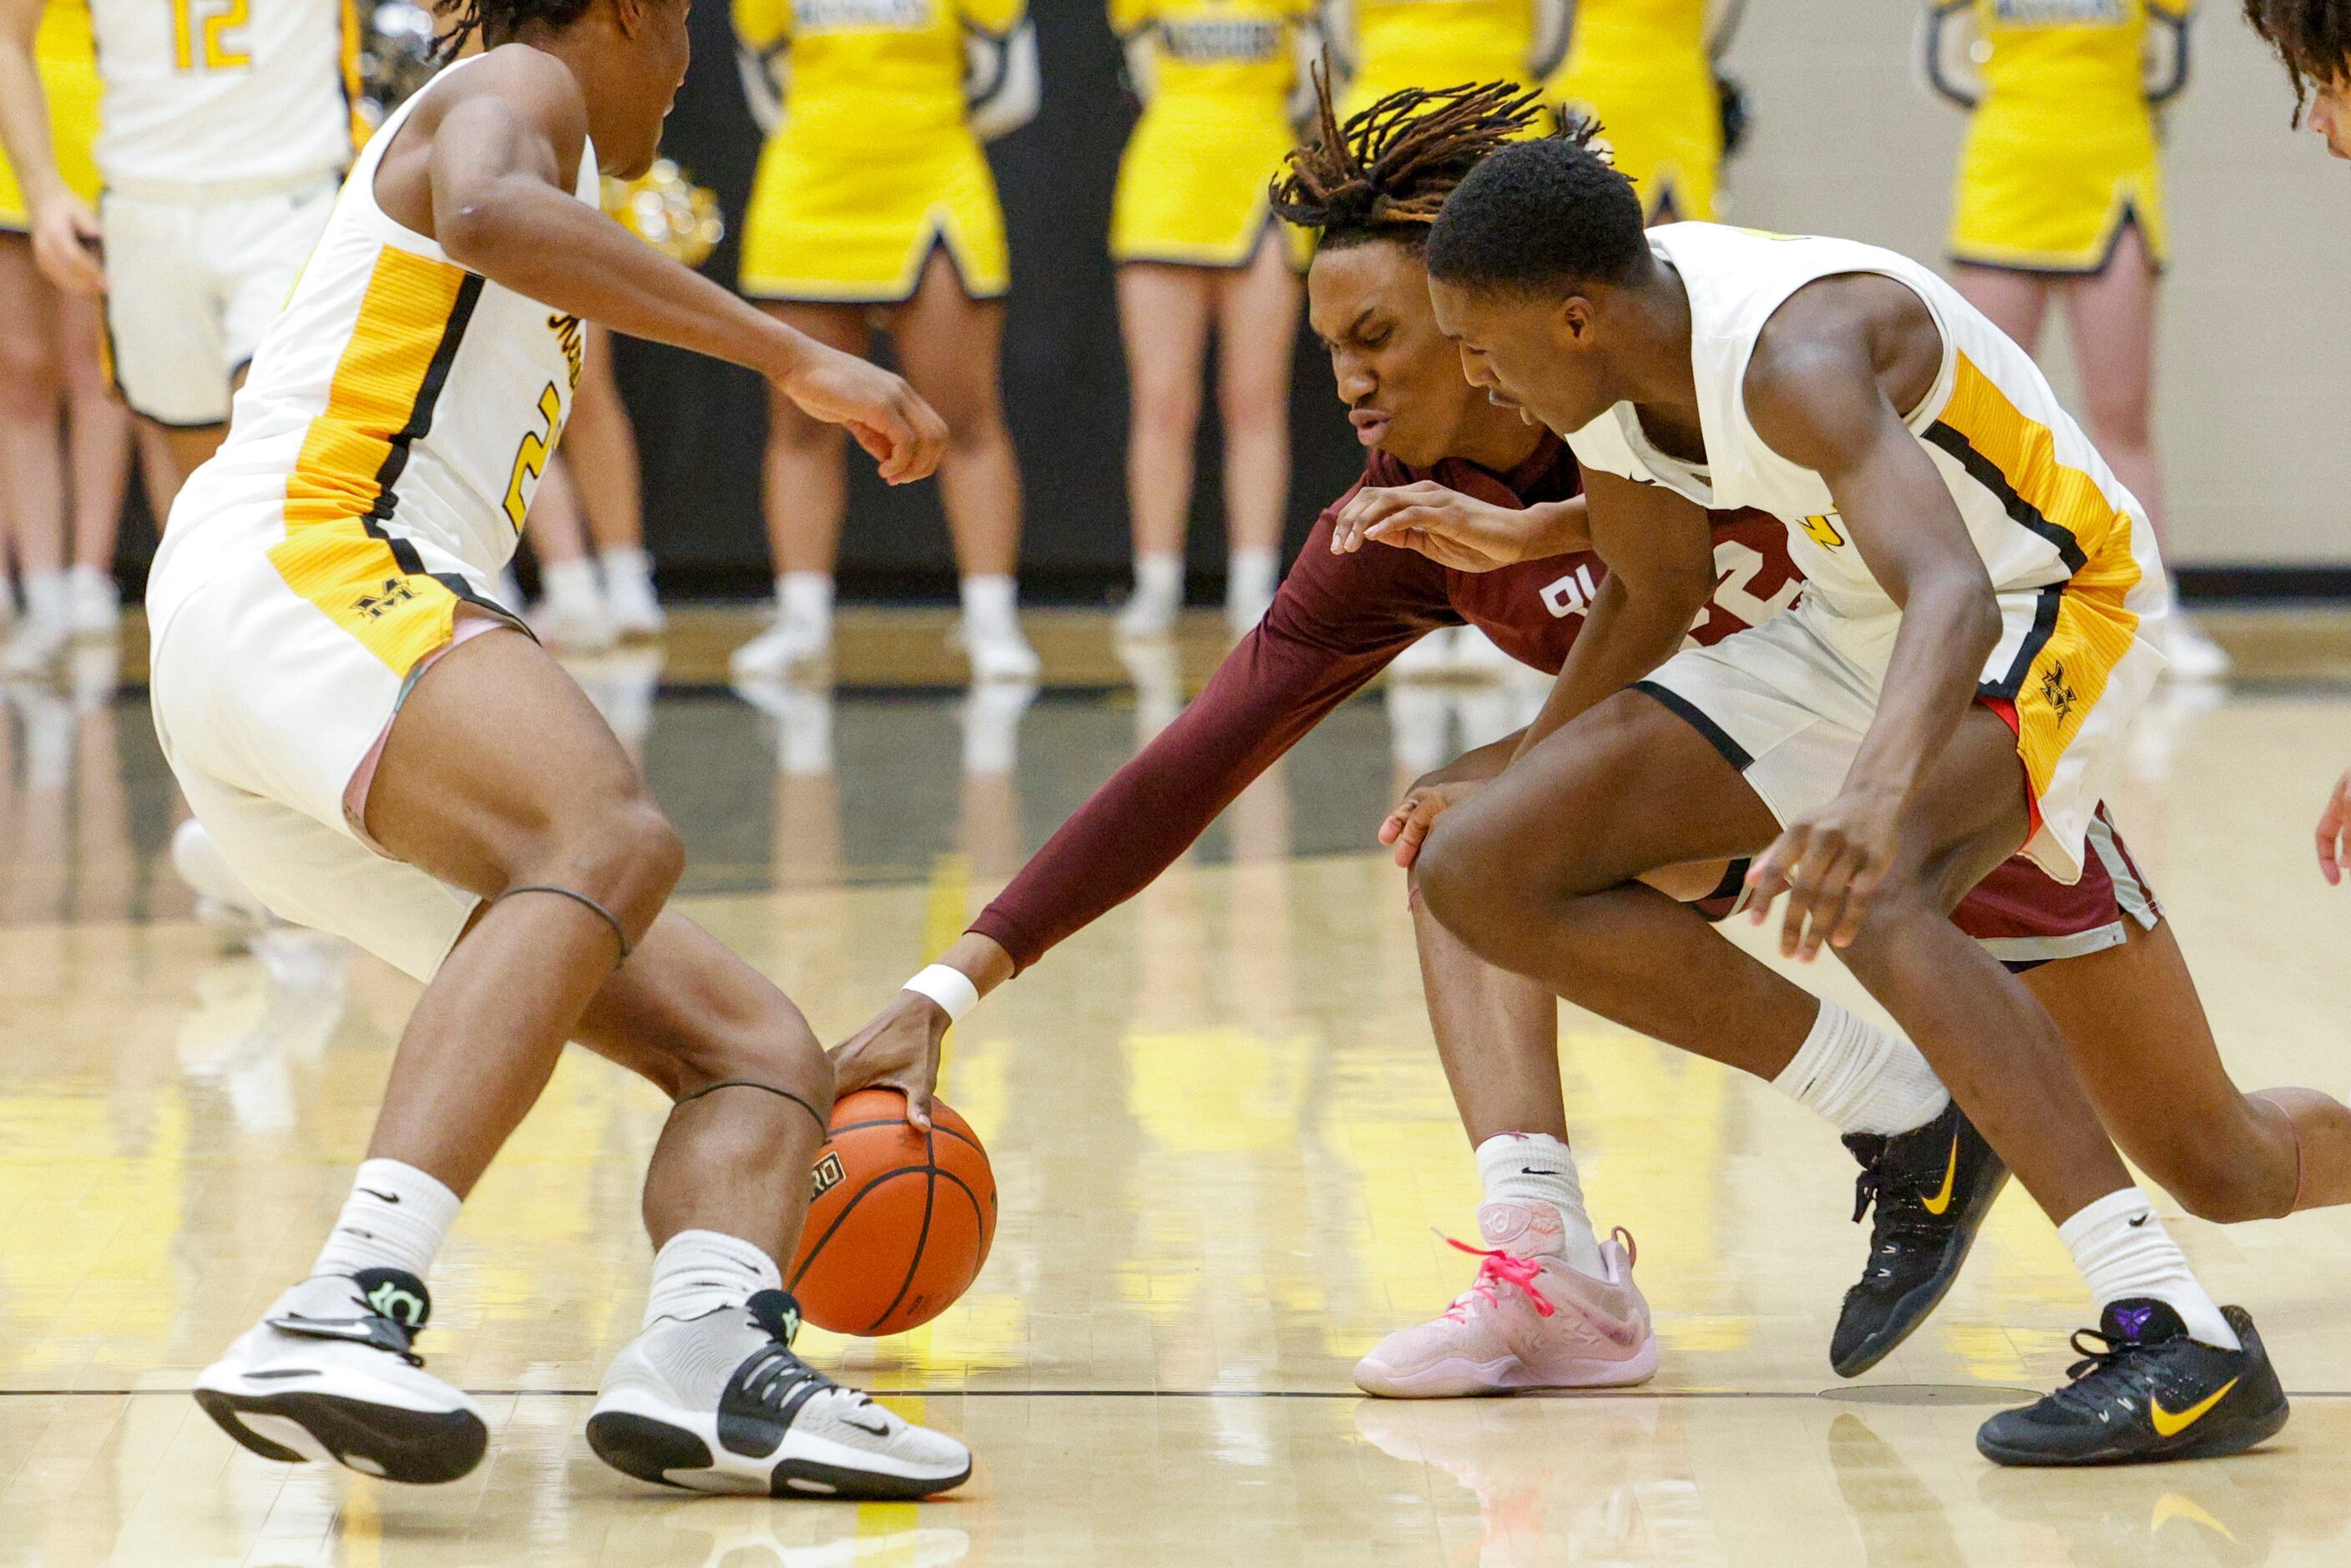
(1893, 1220)
(2101, 1358)
(1498, 1268)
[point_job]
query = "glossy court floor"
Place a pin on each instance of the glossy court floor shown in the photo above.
(1223, 1146)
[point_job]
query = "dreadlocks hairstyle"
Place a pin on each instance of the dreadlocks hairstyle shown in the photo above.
(496, 21)
(2312, 36)
(1387, 171)
(1540, 217)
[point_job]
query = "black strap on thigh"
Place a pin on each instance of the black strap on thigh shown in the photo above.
(619, 931)
(684, 1100)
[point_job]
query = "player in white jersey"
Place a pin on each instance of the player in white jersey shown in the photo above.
(1950, 688)
(225, 128)
(381, 751)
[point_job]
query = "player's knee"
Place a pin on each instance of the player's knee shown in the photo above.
(624, 850)
(771, 1045)
(1464, 883)
(2223, 1177)
(29, 380)
(975, 430)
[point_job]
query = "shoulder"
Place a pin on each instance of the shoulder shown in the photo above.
(1810, 386)
(533, 83)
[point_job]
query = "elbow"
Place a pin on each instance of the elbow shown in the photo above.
(475, 235)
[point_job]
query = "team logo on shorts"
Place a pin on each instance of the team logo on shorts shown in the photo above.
(828, 1175)
(394, 593)
(2054, 691)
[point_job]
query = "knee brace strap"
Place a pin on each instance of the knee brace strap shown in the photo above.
(752, 1083)
(620, 931)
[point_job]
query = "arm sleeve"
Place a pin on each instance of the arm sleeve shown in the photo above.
(1336, 623)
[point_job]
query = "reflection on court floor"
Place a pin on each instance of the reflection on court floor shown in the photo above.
(1223, 1147)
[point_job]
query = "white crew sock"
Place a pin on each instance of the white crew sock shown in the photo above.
(1522, 1167)
(1159, 577)
(699, 1271)
(2123, 1250)
(45, 597)
(804, 597)
(395, 1218)
(989, 601)
(626, 563)
(1862, 1079)
(1250, 574)
(570, 584)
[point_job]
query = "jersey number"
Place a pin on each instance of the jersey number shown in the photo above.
(218, 52)
(530, 457)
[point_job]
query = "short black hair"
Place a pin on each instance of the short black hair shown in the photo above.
(1542, 217)
(497, 22)
(2312, 36)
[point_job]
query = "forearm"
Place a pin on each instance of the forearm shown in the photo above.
(1625, 636)
(24, 124)
(1948, 631)
(553, 248)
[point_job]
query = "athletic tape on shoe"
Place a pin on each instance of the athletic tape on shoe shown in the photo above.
(950, 987)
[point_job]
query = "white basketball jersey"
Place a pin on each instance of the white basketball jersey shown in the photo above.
(2041, 505)
(251, 94)
(395, 424)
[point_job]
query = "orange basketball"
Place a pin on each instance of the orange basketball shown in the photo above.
(901, 1221)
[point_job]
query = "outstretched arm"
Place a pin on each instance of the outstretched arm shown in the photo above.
(1817, 402)
(495, 188)
(65, 233)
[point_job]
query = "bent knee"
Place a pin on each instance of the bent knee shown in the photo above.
(773, 1048)
(2224, 1181)
(29, 382)
(623, 853)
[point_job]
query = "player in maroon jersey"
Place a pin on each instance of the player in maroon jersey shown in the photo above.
(1553, 1305)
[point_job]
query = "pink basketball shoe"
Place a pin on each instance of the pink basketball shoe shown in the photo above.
(1527, 1320)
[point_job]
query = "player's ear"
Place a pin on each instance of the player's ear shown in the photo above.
(628, 16)
(1573, 320)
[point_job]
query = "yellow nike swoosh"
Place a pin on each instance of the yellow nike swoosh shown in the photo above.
(2168, 1425)
(1942, 1200)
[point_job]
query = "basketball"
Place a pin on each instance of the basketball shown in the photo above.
(901, 1221)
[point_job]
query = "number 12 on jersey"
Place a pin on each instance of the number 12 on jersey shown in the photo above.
(213, 27)
(530, 457)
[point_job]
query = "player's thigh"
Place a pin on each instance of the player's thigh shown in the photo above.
(686, 1011)
(2112, 315)
(1163, 316)
(164, 318)
(314, 875)
(1627, 787)
(1972, 811)
(498, 764)
(1257, 328)
(2017, 302)
(31, 372)
(842, 327)
(949, 345)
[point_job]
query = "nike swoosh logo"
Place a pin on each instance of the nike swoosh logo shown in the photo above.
(2142, 1219)
(1942, 1200)
(386, 1196)
(884, 1430)
(1530, 1170)
(2168, 1425)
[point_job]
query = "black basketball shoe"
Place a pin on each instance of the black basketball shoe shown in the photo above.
(1932, 1186)
(2145, 1391)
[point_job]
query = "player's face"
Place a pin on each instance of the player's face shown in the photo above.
(659, 52)
(1532, 353)
(2330, 116)
(1395, 373)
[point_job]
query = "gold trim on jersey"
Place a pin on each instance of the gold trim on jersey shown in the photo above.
(2085, 628)
(335, 553)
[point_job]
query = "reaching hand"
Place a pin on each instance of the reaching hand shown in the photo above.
(66, 245)
(1829, 863)
(899, 1049)
(2335, 832)
(1448, 527)
(896, 427)
(1408, 824)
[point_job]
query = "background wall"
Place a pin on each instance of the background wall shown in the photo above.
(2257, 314)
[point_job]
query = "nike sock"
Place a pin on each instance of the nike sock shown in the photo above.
(804, 597)
(2123, 1250)
(1159, 578)
(988, 599)
(395, 1218)
(699, 1271)
(1521, 1168)
(626, 563)
(1862, 1079)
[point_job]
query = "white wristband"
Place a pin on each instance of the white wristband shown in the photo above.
(948, 987)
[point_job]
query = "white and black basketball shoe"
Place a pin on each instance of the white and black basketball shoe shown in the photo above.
(720, 1402)
(330, 1373)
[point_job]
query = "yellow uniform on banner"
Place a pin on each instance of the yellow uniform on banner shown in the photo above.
(1640, 68)
(68, 66)
(1399, 43)
(875, 162)
(2061, 149)
(1217, 77)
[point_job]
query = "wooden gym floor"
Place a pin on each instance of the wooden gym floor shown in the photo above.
(1222, 1144)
